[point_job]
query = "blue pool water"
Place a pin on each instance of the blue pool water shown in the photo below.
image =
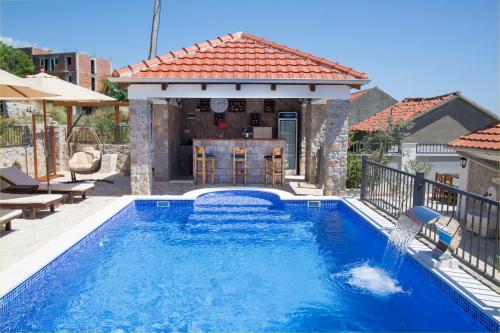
(233, 262)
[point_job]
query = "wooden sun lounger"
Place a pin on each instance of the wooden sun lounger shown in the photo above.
(31, 202)
(7, 215)
(23, 183)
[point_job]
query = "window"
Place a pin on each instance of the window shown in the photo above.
(42, 62)
(69, 78)
(92, 66)
(93, 83)
(56, 61)
(50, 64)
(68, 61)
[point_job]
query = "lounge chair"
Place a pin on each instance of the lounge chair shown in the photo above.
(7, 215)
(31, 202)
(23, 183)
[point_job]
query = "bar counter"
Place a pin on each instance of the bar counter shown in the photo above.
(222, 148)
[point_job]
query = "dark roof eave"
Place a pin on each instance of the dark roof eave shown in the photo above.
(132, 80)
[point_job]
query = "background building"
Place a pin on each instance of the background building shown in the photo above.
(79, 68)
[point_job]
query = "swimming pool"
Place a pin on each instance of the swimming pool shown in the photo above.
(233, 261)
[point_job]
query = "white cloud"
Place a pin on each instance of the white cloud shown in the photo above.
(19, 43)
(15, 42)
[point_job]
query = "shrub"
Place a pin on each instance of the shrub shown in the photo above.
(353, 171)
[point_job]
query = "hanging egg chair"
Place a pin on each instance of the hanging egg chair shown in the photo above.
(85, 151)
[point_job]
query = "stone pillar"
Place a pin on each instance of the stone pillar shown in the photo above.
(140, 147)
(161, 148)
(303, 140)
(408, 153)
(61, 147)
(336, 144)
(316, 139)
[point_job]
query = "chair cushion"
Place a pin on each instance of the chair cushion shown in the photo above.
(238, 155)
(271, 156)
(206, 155)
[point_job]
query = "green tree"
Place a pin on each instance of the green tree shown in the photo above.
(112, 90)
(15, 61)
(378, 143)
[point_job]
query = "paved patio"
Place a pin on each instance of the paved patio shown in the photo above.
(27, 236)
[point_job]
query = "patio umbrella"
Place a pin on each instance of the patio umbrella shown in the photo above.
(67, 91)
(13, 87)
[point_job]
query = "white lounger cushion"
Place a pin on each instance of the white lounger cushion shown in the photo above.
(17, 177)
(60, 187)
(28, 199)
(9, 214)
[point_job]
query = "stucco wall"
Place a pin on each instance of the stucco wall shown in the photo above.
(372, 101)
(448, 122)
(481, 178)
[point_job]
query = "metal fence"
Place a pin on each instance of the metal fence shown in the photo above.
(15, 136)
(394, 191)
(361, 147)
(427, 148)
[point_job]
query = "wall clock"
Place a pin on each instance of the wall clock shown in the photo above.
(219, 105)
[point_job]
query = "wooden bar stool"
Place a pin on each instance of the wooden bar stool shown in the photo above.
(274, 165)
(200, 155)
(239, 158)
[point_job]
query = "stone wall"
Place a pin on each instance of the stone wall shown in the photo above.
(141, 150)
(336, 141)
(23, 157)
(315, 138)
(223, 148)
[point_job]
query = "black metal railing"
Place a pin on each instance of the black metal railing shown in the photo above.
(15, 136)
(363, 148)
(389, 189)
(478, 218)
(394, 191)
(427, 148)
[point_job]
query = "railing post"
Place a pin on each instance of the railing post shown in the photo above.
(117, 125)
(364, 159)
(419, 190)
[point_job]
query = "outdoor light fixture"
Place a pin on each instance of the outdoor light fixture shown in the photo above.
(463, 162)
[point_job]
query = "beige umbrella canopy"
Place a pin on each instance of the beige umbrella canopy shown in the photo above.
(67, 91)
(70, 92)
(13, 87)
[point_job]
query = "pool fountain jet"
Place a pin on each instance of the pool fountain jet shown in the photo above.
(448, 231)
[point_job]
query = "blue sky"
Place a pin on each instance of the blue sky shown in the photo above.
(408, 48)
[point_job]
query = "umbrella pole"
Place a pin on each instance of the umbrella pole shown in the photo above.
(46, 143)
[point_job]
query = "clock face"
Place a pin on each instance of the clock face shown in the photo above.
(219, 105)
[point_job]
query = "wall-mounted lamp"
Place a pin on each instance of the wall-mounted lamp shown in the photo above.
(463, 162)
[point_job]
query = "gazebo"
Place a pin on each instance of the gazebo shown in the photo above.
(255, 86)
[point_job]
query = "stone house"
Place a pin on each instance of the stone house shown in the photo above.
(436, 121)
(283, 96)
(480, 165)
(366, 103)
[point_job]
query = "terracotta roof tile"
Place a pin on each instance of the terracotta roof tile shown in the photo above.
(243, 56)
(486, 138)
(357, 94)
(406, 110)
